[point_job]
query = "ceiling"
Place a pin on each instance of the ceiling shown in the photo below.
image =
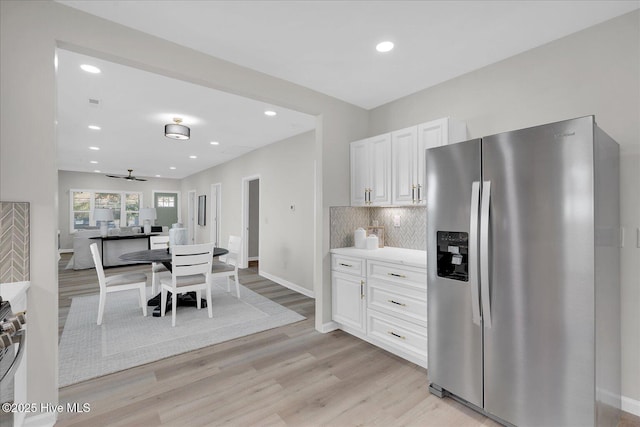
(327, 46)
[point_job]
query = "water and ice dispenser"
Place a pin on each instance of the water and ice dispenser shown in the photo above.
(453, 255)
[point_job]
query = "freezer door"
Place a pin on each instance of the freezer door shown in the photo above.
(455, 341)
(539, 349)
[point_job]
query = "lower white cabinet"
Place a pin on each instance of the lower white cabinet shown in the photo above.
(384, 303)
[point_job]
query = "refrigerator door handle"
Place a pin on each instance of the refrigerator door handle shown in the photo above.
(473, 253)
(484, 253)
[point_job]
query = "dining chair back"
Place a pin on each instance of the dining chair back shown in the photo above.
(157, 268)
(191, 271)
(229, 268)
(118, 282)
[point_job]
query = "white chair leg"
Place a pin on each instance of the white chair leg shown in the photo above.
(163, 302)
(174, 308)
(154, 284)
(103, 297)
(209, 300)
(143, 303)
(237, 286)
(198, 299)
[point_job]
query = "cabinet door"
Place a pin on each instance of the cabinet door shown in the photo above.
(359, 152)
(348, 302)
(431, 134)
(403, 167)
(380, 169)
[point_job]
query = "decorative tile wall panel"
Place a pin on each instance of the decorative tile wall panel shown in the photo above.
(14, 242)
(411, 234)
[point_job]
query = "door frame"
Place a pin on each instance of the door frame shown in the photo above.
(216, 217)
(244, 235)
(192, 210)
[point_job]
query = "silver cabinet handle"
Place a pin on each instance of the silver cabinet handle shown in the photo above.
(396, 303)
(484, 253)
(397, 275)
(345, 265)
(419, 199)
(413, 194)
(473, 253)
(396, 335)
(361, 289)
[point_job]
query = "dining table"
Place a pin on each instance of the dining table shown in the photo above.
(164, 256)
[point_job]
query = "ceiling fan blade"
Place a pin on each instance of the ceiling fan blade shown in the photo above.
(139, 179)
(116, 176)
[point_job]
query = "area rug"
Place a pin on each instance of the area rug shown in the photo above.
(127, 339)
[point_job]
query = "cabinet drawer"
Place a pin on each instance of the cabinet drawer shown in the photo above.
(411, 276)
(349, 265)
(398, 335)
(405, 302)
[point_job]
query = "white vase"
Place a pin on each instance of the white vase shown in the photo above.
(178, 236)
(360, 237)
(372, 242)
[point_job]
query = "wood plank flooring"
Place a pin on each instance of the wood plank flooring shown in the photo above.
(289, 376)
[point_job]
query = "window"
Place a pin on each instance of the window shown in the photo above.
(125, 206)
(166, 202)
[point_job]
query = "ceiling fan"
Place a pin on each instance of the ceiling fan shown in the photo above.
(127, 177)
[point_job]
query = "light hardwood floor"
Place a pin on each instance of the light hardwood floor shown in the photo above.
(289, 376)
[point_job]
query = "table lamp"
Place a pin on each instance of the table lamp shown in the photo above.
(146, 216)
(103, 216)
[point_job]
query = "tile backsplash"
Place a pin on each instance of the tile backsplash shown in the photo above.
(14, 242)
(411, 234)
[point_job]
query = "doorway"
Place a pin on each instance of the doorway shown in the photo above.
(216, 208)
(250, 220)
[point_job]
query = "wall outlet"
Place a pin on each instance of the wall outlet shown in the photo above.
(396, 220)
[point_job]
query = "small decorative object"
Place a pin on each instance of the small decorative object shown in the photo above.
(372, 242)
(359, 237)
(377, 231)
(103, 216)
(147, 215)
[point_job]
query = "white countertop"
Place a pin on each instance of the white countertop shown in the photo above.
(411, 257)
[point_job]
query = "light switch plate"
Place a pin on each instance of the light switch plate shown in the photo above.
(396, 220)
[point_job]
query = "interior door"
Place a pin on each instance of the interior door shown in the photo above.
(539, 349)
(455, 341)
(166, 204)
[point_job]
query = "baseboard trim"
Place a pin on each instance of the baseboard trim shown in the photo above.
(47, 419)
(287, 284)
(253, 258)
(631, 406)
(328, 327)
(65, 251)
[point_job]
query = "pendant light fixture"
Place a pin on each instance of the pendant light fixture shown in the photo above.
(176, 130)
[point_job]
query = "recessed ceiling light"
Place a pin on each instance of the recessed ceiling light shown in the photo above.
(96, 171)
(193, 157)
(270, 113)
(172, 167)
(385, 46)
(157, 176)
(93, 162)
(90, 69)
(214, 143)
(94, 127)
(94, 148)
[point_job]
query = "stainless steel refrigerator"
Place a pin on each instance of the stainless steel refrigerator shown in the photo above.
(523, 274)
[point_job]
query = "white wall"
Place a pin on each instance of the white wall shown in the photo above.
(30, 31)
(595, 71)
(68, 180)
(286, 177)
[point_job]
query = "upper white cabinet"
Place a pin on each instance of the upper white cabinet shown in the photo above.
(408, 151)
(388, 169)
(371, 171)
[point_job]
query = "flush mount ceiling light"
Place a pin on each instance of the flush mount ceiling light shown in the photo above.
(90, 69)
(176, 130)
(385, 46)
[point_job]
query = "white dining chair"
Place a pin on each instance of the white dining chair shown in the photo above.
(191, 268)
(116, 283)
(229, 268)
(157, 268)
